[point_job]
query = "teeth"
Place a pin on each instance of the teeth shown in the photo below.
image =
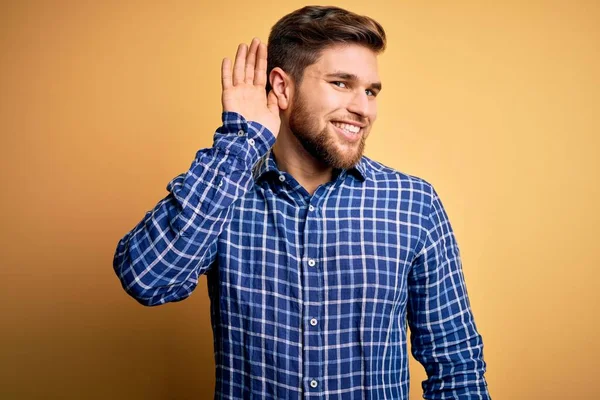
(347, 127)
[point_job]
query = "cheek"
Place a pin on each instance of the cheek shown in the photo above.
(330, 99)
(331, 105)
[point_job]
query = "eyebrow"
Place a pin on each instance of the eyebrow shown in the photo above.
(351, 77)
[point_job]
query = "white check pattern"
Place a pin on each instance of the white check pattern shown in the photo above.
(310, 295)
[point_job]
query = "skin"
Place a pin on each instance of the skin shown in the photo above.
(340, 87)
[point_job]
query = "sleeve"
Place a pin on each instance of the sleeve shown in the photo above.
(161, 258)
(444, 338)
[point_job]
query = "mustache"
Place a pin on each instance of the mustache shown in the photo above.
(352, 119)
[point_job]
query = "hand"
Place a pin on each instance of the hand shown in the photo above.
(244, 90)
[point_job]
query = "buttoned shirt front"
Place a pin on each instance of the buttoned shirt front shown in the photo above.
(310, 295)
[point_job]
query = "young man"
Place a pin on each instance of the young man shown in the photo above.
(315, 255)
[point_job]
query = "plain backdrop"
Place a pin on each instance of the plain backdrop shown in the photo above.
(103, 103)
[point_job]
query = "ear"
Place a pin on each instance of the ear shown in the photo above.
(282, 86)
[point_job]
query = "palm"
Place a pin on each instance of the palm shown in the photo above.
(244, 87)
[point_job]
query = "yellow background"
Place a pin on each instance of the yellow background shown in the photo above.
(102, 103)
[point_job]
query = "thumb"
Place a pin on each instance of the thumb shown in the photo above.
(272, 103)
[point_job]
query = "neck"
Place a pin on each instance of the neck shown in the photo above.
(292, 158)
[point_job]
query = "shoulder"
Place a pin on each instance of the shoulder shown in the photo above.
(384, 176)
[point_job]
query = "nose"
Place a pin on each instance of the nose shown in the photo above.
(359, 104)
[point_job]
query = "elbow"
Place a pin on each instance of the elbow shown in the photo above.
(143, 296)
(149, 288)
(131, 282)
(150, 295)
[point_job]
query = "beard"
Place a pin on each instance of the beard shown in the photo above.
(322, 145)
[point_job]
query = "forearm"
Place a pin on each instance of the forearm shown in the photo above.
(452, 354)
(161, 259)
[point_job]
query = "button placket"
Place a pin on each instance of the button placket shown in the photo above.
(313, 340)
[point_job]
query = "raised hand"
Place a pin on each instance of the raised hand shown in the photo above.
(244, 87)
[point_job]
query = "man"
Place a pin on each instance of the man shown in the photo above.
(315, 255)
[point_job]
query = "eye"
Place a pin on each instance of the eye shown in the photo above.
(369, 92)
(339, 84)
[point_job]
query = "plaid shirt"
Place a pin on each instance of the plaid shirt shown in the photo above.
(310, 294)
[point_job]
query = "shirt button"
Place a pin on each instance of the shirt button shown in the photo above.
(314, 384)
(311, 208)
(241, 133)
(281, 178)
(251, 141)
(312, 262)
(313, 322)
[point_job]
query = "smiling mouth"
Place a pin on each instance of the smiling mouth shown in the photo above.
(347, 127)
(351, 133)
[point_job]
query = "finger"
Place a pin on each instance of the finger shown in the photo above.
(240, 61)
(272, 103)
(226, 82)
(260, 72)
(251, 60)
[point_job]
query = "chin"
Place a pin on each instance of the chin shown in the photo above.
(344, 159)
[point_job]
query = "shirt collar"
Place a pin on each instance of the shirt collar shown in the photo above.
(267, 166)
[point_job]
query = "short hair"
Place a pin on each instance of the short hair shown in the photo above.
(297, 39)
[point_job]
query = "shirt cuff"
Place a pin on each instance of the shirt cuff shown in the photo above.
(260, 137)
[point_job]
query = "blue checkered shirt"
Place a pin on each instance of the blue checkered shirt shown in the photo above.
(310, 294)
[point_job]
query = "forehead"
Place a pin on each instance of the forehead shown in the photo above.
(350, 58)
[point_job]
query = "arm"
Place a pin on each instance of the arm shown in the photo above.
(444, 337)
(160, 260)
